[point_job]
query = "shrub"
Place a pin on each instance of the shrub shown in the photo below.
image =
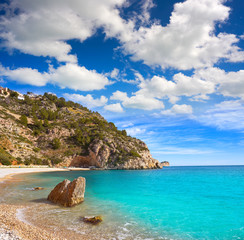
(55, 161)
(14, 94)
(124, 133)
(36, 149)
(45, 162)
(56, 143)
(23, 120)
(134, 153)
(5, 158)
(27, 162)
(19, 160)
(68, 153)
(36, 161)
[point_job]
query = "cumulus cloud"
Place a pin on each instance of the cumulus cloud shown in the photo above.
(78, 78)
(25, 76)
(230, 84)
(116, 107)
(200, 86)
(43, 28)
(188, 41)
(180, 86)
(178, 109)
(137, 101)
(227, 115)
(197, 87)
(66, 76)
(87, 100)
(142, 102)
(118, 95)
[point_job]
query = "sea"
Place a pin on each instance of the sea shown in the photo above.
(203, 202)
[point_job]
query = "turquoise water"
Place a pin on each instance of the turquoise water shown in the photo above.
(172, 203)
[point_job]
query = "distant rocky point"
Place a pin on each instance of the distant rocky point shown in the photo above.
(165, 164)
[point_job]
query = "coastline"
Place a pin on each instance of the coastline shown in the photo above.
(7, 172)
(12, 226)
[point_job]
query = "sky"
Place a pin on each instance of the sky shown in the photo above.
(169, 72)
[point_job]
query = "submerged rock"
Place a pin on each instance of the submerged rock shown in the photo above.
(37, 188)
(93, 220)
(68, 193)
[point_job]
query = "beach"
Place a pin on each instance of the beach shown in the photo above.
(7, 172)
(12, 227)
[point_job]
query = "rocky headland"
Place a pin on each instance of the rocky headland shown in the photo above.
(46, 130)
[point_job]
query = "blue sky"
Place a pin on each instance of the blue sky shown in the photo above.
(169, 72)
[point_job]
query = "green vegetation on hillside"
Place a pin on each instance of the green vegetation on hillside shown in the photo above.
(51, 130)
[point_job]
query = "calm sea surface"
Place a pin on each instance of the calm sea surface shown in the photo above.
(172, 203)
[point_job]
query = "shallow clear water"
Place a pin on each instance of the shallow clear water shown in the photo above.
(172, 203)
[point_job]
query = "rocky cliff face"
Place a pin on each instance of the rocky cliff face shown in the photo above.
(52, 131)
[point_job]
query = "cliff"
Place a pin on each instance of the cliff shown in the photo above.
(46, 130)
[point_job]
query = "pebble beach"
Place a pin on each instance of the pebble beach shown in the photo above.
(12, 227)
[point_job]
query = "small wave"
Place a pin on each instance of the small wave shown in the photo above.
(21, 216)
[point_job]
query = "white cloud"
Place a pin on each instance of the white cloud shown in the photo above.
(180, 86)
(42, 28)
(198, 87)
(135, 131)
(114, 73)
(25, 76)
(78, 78)
(67, 76)
(227, 115)
(233, 84)
(137, 101)
(127, 125)
(188, 41)
(114, 108)
(118, 95)
(229, 84)
(87, 100)
(142, 102)
(178, 109)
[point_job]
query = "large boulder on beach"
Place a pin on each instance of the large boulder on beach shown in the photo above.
(68, 193)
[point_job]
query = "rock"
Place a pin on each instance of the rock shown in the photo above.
(37, 188)
(68, 193)
(165, 163)
(93, 220)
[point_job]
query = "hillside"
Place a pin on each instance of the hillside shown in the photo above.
(46, 130)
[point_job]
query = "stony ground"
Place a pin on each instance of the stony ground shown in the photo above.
(12, 228)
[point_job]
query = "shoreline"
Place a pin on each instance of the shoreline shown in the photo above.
(11, 226)
(7, 172)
